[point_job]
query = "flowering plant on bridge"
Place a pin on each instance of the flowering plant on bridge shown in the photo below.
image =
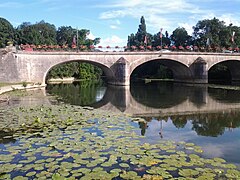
(180, 47)
(91, 46)
(99, 46)
(188, 47)
(173, 48)
(236, 49)
(65, 46)
(141, 47)
(83, 47)
(108, 47)
(116, 47)
(133, 47)
(159, 47)
(149, 47)
(165, 47)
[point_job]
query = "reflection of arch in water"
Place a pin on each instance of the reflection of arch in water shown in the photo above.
(116, 95)
(224, 95)
(163, 94)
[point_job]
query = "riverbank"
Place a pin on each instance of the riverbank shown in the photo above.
(8, 88)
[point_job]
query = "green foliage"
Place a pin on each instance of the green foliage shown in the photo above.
(180, 37)
(24, 84)
(138, 38)
(219, 35)
(39, 33)
(6, 32)
(75, 69)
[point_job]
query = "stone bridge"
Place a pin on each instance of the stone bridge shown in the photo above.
(189, 67)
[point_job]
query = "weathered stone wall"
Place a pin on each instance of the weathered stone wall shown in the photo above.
(9, 68)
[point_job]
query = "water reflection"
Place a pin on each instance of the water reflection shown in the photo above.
(178, 103)
(218, 133)
(205, 116)
(206, 124)
(83, 93)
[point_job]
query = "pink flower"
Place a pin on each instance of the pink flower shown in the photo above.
(181, 47)
(149, 47)
(133, 47)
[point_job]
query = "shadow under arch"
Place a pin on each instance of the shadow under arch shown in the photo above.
(228, 69)
(106, 70)
(180, 72)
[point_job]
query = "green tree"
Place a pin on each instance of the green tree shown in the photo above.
(65, 35)
(214, 30)
(139, 38)
(6, 32)
(180, 37)
(39, 33)
(157, 40)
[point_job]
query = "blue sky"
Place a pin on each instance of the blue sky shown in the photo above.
(114, 20)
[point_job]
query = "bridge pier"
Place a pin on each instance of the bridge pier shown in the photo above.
(199, 71)
(121, 74)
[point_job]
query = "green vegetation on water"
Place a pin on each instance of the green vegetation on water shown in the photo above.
(63, 141)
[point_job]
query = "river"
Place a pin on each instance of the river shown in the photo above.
(208, 117)
(90, 129)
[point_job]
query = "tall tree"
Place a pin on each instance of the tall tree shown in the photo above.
(6, 32)
(141, 35)
(211, 32)
(180, 37)
(142, 32)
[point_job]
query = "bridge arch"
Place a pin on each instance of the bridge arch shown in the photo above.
(106, 70)
(181, 72)
(233, 66)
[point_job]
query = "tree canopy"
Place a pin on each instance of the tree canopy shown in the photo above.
(208, 34)
(43, 33)
(7, 32)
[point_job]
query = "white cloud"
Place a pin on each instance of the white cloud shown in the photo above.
(113, 27)
(165, 14)
(228, 19)
(113, 41)
(188, 27)
(90, 36)
(158, 14)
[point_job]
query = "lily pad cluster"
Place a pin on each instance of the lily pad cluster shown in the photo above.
(72, 142)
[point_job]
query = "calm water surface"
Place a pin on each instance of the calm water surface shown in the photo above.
(206, 116)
